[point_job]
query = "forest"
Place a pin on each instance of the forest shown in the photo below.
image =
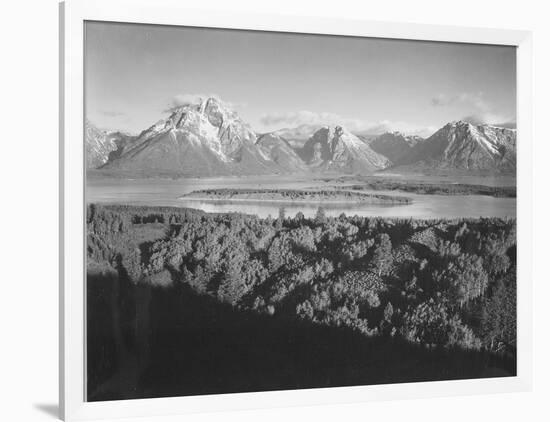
(197, 303)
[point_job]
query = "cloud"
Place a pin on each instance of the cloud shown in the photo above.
(181, 100)
(306, 117)
(481, 110)
(185, 99)
(490, 119)
(508, 125)
(109, 113)
(472, 99)
(377, 128)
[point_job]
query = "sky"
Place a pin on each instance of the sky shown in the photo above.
(134, 73)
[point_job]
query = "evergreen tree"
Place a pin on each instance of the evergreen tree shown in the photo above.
(382, 258)
(320, 216)
(280, 219)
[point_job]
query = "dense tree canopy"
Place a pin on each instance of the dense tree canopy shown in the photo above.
(446, 283)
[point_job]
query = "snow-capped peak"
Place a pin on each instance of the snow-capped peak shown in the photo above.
(212, 107)
(207, 121)
(461, 124)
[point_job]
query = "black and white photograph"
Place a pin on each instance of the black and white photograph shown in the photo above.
(280, 211)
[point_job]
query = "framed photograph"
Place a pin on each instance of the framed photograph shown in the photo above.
(263, 210)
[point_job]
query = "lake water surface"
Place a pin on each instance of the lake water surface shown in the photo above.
(167, 192)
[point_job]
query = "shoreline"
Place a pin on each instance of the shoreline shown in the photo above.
(117, 207)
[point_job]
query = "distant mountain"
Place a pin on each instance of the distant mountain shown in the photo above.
(297, 136)
(333, 148)
(366, 138)
(100, 145)
(465, 147)
(206, 138)
(278, 150)
(394, 145)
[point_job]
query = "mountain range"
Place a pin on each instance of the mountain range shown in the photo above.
(208, 138)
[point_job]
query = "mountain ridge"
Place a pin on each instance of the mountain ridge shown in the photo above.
(462, 146)
(208, 138)
(394, 145)
(102, 145)
(333, 148)
(202, 139)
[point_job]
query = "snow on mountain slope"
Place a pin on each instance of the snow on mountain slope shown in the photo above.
(277, 149)
(333, 148)
(394, 145)
(297, 136)
(100, 144)
(462, 146)
(206, 138)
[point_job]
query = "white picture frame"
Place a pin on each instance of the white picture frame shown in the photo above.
(73, 14)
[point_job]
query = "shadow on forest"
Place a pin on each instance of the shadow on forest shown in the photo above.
(146, 342)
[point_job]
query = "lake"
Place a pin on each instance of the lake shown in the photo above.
(166, 192)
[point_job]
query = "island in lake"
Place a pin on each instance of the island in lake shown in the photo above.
(291, 196)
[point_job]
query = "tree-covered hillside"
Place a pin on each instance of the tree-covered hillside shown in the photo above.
(439, 292)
